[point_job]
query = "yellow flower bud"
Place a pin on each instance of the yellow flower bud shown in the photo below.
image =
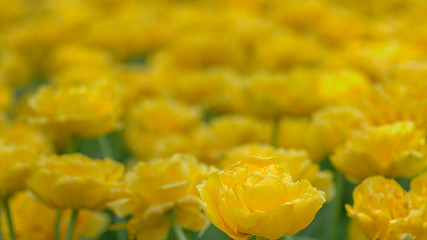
(24, 208)
(257, 196)
(396, 150)
(158, 187)
(75, 181)
(300, 166)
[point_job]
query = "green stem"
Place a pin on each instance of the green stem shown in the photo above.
(9, 218)
(120, 234)
(72, 224)
(105, 147)
(176, 228)
(107, 151)
(260, 238)
(57, 225)
(275, 132)
(339, 186)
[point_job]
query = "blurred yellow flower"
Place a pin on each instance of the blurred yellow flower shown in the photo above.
(330, 127)
(345, 86)
(17, 162)
(35, 221)
(87, 110)
(15, 69)
(71, 55)
(158, 187)
(293, 132)
(396, 150)
(418, 191)
(155, 123)
(75, 181)
(355, 232)
(26, 135)
(20, 148)
(321, 134)
(210, 141)
(282, 93)
(418, 200)
(257, 196)
(397, 100)
(382, 211)
(281, 48)
(376, 57)
(300, 166)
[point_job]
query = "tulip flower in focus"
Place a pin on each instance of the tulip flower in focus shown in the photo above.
(300, 166)
(257, 196)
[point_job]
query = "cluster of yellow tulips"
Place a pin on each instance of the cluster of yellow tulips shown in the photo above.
(213, 119)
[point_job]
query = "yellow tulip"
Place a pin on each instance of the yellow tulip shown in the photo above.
(355, 232)
(26, 135)
(210, 141)
(293, 132)
(418, 191)
(24, 208)
(15, 68)
(321, 134)
(17, 162)
(155, 188)
(283, 94)
(75, 181)
(152, 122)
(300, 165)
(71, 55)
(397, 100)
(257, 196)
(418, 199)
(87, 110)
(330, 127)
(344, 86)
(383, 210)
(396, 150)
